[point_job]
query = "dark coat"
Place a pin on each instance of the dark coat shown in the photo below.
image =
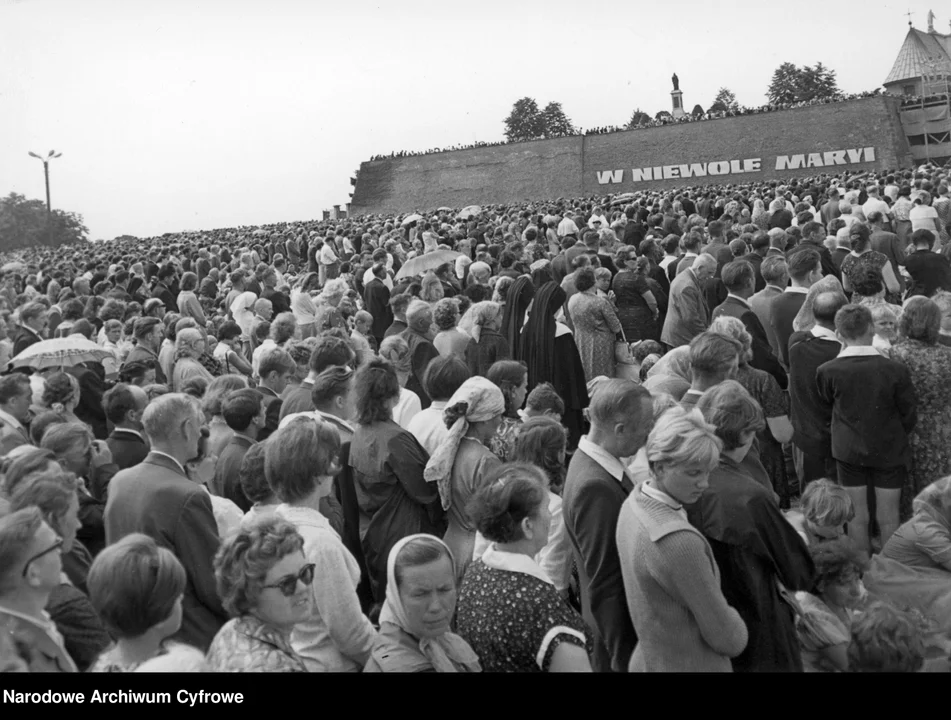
(592, 504)
(782, 313)
(376, 300)
(272, 411)
(23, 338)
(423, 352)
(155, 498)
(227, 480)
(874, 409)
(755, 548)
(91, 388)
(811, 418)
(127, 448)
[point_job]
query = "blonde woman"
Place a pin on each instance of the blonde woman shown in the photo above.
(671, 579)
(482, 322)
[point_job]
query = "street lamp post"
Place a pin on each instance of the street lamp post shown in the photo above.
(49, 207)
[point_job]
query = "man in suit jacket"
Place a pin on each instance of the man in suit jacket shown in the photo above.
(813, 235)
(275, 369)
(776, 275)
(756, 256)
(419, 318)
(376, 300)
(930, 271)
(158, 499)
(243, 410)
(874, 409)
(124, 405)
(595, 489)
(33, 320)
(811, 418)
(805, 271)
(717, 246)
(687, 312)
(149, 333)
(739, 280)
(692, 244)
(162, 289)
(92, 385)
(16, 396)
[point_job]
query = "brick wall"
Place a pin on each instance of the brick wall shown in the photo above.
(569, 167)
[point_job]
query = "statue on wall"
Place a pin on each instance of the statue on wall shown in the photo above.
(930, 21)
(676, 82)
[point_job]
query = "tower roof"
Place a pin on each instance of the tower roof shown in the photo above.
(921, 54)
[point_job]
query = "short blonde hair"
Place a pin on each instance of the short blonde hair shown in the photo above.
(826, 504)
(683, 437)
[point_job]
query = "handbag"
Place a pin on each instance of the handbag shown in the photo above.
(622, 351)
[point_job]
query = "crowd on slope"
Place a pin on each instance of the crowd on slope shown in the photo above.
(694, 430)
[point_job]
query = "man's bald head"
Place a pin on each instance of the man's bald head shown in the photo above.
(825, 307)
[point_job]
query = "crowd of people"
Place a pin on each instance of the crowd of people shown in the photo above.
(701, 430)
(664, 118)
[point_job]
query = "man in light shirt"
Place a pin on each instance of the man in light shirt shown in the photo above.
(567, 226)
(875, 203)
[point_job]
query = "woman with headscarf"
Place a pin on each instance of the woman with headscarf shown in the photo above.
(914, 567)
(805, 320)
(760, 216)
(518, 301)
(541, 273)
(482, 323)
(863, 258)
(421, 592)
(548, 348)
(463, 460)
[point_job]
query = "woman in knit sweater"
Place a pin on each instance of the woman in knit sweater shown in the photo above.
(671, 580)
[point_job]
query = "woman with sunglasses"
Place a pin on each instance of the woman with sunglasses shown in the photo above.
(264, 580)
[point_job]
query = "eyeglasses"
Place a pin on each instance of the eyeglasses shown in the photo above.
(288, 585)
(53, 548)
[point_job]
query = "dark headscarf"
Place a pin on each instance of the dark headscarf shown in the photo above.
(519, 296)
(537, 347)
(541, 276)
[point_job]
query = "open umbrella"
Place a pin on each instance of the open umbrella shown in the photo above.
(470, 211)
(430, 261)
(444, 209)
(410, 219)
(623, 198)
(61, 352)
(14, 266)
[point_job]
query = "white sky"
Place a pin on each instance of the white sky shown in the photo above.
(187, 114)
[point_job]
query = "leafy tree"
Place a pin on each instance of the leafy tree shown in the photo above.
(663, 115)
(697, 111)
(724, 101)
(525, 122)
(556, 123)
(818, 83)
(791, 84)
(638, 117)
(23, 223)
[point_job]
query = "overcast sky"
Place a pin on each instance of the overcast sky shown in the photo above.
(186, 114)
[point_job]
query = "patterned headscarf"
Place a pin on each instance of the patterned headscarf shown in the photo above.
(805, 319)
(477, 400)
(477, 317)
(442, 651)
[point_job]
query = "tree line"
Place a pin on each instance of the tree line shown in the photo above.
(24, 223)
(790, 84)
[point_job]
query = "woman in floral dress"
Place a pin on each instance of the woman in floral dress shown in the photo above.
(596, 327)
(930, 366)
(509, 610)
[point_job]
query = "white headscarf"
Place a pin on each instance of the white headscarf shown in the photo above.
(445, 651)
(476, 400)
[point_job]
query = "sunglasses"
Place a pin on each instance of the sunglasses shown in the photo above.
(288, 585)
(53, 548)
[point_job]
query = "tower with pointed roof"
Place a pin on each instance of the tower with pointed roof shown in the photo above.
(923, 65)
(922, 73)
